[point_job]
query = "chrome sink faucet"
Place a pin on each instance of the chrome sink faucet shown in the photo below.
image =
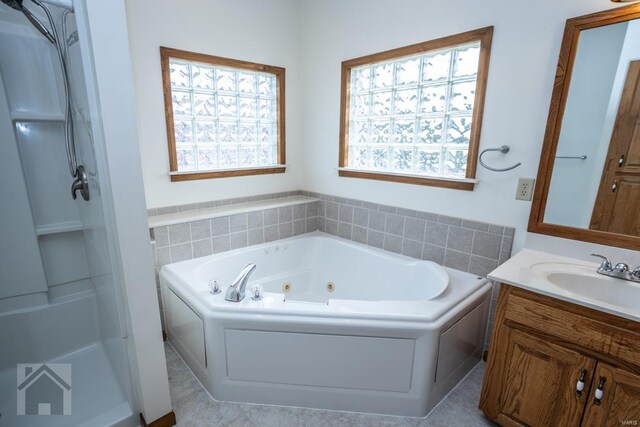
(619, 271)
(235, 293)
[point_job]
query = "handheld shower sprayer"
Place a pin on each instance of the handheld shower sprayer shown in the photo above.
(17, 5)
(77, 171)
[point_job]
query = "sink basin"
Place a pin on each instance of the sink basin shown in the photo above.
(584, 282)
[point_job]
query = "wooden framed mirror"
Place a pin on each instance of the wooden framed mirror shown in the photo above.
(588, 184)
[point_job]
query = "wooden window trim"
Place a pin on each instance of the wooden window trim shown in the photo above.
(167, 53)
(484, 36)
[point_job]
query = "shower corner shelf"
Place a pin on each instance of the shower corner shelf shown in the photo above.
(21, 116)
(60, 227)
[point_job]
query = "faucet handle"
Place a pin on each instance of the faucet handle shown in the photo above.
(636, 273)
(214, 287)
(606, 264)
(256, 291)
(621, 267)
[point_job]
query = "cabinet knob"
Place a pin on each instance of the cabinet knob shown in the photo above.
(580, 383)
(614, 186)
(599, 391)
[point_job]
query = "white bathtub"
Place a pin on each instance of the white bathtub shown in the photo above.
(394, 336)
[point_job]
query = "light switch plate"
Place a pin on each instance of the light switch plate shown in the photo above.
(525, 188)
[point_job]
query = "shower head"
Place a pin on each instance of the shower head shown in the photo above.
(14, 4)
(17, 5)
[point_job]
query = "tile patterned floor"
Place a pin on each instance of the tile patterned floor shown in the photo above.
(194, 408)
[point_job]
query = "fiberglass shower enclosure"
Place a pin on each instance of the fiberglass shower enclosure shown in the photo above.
(59, 297)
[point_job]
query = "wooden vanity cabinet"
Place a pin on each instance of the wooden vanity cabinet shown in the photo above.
(622, 404)
(541, 348)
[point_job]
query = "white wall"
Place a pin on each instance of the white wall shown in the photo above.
(581, 250)
(592, 81)
(311, 38)
(252, 30)
(524, 56)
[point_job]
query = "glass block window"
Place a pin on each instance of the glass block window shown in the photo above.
(414, 113)
(223, 115)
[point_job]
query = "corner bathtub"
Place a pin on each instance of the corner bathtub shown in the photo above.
(394, 335)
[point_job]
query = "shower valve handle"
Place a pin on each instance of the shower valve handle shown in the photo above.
(80, 183)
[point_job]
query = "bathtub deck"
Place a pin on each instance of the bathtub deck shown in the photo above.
(194, 407)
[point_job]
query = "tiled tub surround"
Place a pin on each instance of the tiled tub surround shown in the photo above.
(219, 203)
(465, 245)
(254, 224)
(223, 229)
(179, 242)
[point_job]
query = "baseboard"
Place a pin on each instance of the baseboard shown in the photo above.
(168, 420)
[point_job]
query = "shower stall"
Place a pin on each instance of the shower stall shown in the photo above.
(63, 302)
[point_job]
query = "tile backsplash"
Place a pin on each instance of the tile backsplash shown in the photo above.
(179, 242)
(465, 245)
(462, 244)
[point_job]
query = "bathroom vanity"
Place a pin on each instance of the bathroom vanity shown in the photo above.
(562, 355)
(565, 349)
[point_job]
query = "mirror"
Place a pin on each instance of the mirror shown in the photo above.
(588, 185)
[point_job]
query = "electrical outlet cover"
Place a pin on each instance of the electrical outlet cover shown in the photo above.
(525, 189)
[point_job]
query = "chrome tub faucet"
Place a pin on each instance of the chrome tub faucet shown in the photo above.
(235, 293)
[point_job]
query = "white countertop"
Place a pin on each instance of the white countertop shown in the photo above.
(526, 270)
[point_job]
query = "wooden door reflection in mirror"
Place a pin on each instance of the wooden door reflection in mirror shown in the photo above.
(616, 206)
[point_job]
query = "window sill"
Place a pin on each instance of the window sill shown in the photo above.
(226, 173)
(466, 184)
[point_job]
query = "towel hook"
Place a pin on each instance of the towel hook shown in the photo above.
(504, 149)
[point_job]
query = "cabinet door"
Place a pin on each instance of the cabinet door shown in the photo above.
(619, 404)
(539, 383)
